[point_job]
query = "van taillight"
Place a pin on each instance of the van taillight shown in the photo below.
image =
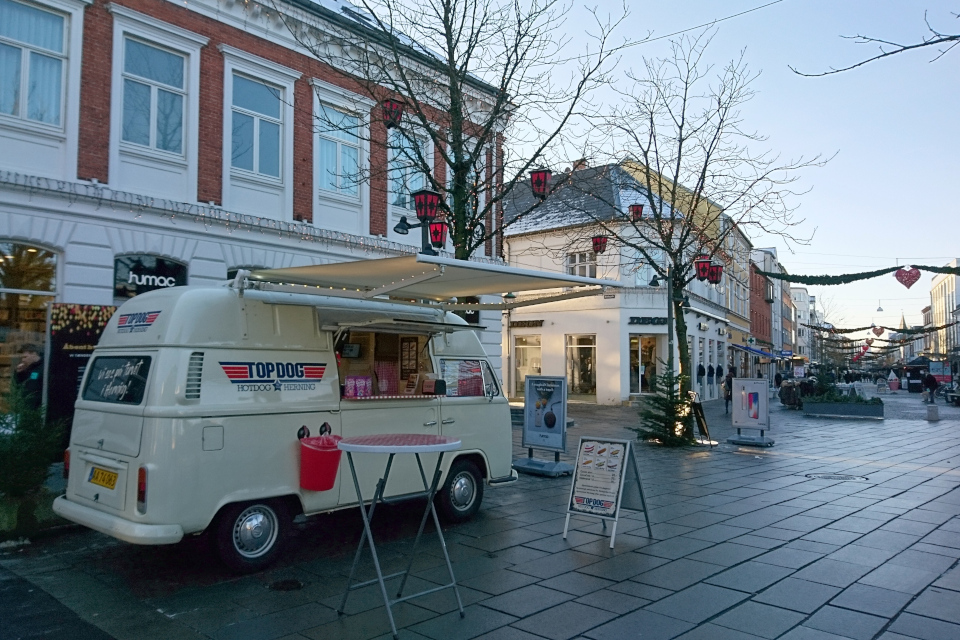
(142, 490)
(66, 463)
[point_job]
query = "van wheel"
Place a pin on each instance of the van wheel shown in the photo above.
(460, 497)
(250, 535)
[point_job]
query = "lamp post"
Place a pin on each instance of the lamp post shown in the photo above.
(432, 231)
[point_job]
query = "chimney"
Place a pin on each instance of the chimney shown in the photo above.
(580, 164)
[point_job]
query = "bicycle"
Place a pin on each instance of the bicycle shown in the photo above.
(942, 390)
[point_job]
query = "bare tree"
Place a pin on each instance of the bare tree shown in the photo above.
(476, 77)
(692, 165)
(934, 38)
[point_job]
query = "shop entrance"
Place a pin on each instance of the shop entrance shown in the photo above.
(526, 351)
(582, 368)
(643, 363)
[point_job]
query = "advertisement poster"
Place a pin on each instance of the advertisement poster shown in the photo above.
(940, 371)
(74, 332)
(799, 371)
(545, 413)
(750, 404)
(597, 478)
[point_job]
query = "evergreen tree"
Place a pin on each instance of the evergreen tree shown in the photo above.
(666, 415)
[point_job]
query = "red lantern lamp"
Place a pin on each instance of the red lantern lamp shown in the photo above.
(702, 265)
(438, 233)
(715, 274)
(636, 212)
(599, 244)
(426, 202)
(540, 182)
(392, 113)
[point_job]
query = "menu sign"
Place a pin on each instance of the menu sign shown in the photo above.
(598, 478)
(600, 487)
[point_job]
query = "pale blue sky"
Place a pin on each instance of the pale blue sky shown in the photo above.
(891, 190)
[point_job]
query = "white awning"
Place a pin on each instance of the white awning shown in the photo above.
(422, 277)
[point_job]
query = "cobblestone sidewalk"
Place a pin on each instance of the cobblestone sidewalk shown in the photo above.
(746, 545)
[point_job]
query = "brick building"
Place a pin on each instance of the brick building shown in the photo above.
(151, 143)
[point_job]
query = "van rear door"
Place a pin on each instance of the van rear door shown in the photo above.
(109, 412)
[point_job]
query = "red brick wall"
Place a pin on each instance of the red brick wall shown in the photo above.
(303, 191)
(378, 177)
(210, 130)
(760, 312)
(93, 159)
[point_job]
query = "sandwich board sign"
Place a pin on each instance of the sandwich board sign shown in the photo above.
(605, 480)
(751, 410)
(544, 425)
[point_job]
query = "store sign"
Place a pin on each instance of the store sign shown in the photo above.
(545, 413)
(471, 316)
(525, 324)
(136, 274)
(646, 320)
(786, 353)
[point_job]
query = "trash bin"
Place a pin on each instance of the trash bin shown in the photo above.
(319, 462)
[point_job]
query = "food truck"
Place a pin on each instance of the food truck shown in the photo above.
(194, 402)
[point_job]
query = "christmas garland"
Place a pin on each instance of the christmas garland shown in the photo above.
(912, 332)
(847, 278)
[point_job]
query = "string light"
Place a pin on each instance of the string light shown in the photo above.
(208, 214)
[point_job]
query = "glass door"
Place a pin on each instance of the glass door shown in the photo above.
(526, 350)
(643, 363)
(581, 367)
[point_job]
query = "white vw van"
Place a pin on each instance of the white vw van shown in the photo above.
(193, 403)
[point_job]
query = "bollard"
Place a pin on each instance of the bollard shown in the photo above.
(933, 413)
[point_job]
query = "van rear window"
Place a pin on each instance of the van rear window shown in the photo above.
(117, 379)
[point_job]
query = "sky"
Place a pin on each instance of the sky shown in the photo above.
(888, 196)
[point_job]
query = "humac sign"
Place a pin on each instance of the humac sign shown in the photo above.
(136, 274)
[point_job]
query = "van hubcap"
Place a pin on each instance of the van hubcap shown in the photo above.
(255, 531)
(462, 490)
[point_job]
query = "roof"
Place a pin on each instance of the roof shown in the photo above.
(581, 198)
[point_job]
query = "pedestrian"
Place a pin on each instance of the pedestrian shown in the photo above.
(777, 380)
(727, 392)
(29, 375)
(930, 384)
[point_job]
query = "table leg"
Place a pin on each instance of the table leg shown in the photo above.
(368, 533)
(423, 520)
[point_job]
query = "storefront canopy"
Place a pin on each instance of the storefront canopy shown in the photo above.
(421, 277)
(758, 352)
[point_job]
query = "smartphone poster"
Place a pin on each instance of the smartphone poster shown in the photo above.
(751, 403)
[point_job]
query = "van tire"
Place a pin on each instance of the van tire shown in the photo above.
(240, 532)
(460, 496)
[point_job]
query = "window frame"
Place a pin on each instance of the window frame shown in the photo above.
(148, 29)
(155, 86)
(257, 69)
(573, 263)
(26, 49)
(396, 210)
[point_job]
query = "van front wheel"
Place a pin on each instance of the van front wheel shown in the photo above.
(460, 497)
(250, 535)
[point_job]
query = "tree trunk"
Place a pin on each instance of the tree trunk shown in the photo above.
(680, 338)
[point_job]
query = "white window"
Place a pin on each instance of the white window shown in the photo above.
(338, 151)
(153, 96)
(405, 174)
(255, 127)
(257, 135)
(155, 106)
(32, 63)
(583, 263)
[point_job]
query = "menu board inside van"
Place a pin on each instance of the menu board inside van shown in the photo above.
(117, 379)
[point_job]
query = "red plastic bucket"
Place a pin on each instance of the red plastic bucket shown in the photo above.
(319, 462)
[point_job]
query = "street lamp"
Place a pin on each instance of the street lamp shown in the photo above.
(540, 182)
(702, 266)
(432, 231)
(636, 212)
(392, 111)
(599, 244)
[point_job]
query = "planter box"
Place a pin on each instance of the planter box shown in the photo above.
(843, 409)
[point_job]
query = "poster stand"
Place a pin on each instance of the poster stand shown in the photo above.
(751, 410)
(599, 487)
(544, 425)
(697, 407)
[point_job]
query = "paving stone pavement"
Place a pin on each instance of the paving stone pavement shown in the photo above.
(745, 546)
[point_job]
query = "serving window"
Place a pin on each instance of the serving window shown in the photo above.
(374, 364)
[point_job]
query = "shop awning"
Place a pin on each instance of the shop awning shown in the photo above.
(421, 277)
(758, 352)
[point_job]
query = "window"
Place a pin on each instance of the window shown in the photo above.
(117, 379)
(32, 61)
(468, 378)
(582, 264)
(338, 151)
(153, 96)
(405, 174)
(255, 126)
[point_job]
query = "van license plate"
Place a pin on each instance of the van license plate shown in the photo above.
(103, 478)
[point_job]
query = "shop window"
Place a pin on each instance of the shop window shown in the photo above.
(379, 364)
(32, 59)
(527, 355)
(28, 281)
(581, 366)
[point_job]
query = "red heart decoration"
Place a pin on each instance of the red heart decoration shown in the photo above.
(908, 277)
(878, 331)
(869, 341)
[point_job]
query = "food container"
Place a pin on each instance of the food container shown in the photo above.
(319, 462)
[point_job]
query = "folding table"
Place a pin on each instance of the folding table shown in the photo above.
(393, 444)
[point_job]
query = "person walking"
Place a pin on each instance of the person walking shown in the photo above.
(930, 384)
(727, 392)
(29, 375)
